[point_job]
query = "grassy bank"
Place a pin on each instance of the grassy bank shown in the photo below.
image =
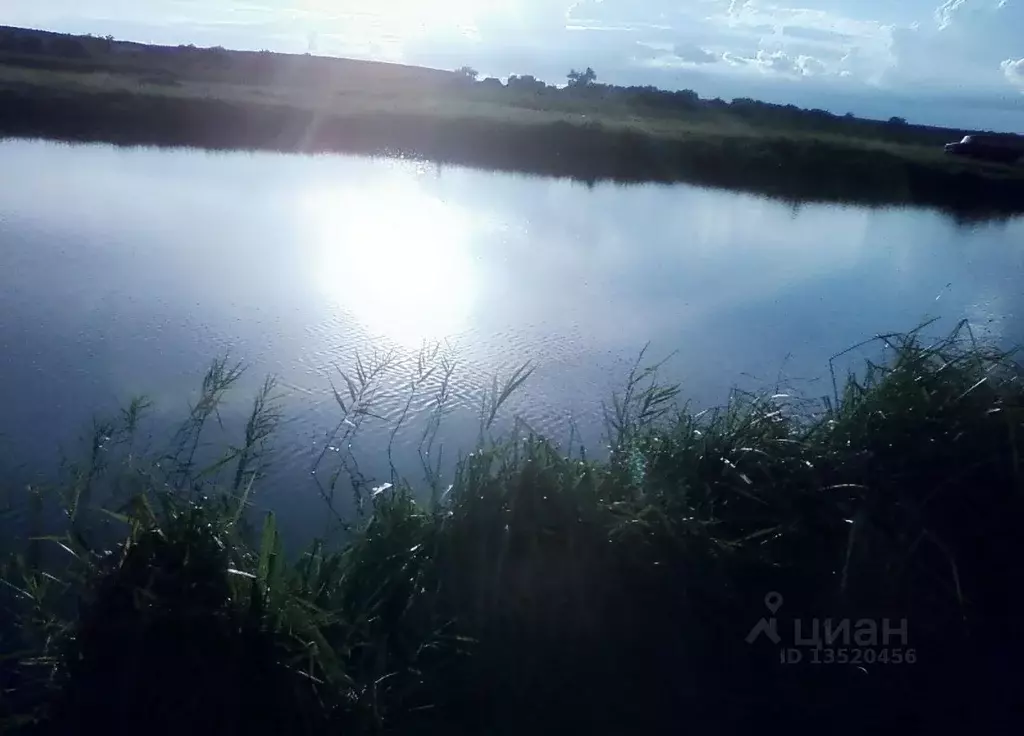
(543, 591)
(135, 94)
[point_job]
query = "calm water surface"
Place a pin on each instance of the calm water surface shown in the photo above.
(126, 271)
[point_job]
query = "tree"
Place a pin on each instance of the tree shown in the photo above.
(526, 83)
(897, 121)
(582, 79)
(468, 72)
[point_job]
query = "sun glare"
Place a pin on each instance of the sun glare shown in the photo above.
(395, 258)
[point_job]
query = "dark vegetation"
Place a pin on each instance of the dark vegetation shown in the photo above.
(545, 592)
(99, 89)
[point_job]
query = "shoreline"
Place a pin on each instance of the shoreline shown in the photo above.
(790, 168)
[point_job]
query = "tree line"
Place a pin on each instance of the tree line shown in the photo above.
(584, 86)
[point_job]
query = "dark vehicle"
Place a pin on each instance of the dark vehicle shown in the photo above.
(1000, 149)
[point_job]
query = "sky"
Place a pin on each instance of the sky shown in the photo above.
(956, 62)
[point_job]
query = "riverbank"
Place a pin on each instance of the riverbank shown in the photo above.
(141, 95)
(543, 590)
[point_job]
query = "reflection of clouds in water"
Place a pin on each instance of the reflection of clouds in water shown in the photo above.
(741, 285)
(644, 258)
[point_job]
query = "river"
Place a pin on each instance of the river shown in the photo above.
(125, 271)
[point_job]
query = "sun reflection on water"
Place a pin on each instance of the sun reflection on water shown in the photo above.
(396, 258)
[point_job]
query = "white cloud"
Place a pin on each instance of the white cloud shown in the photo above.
(1014, 71)
(501, 36)
(803, 42)
(945, 14)
(965, 43)
(912, 45)
(753, 36)
(810, 67)
(775, 61)
(779, 63)
(809, 23)
(734, 60)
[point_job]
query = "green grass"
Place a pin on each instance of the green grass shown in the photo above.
(543, 590)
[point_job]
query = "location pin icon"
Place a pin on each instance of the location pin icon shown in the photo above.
(773, 601)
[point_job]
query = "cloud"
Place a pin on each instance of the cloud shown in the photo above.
(964, 44)
(693, 54)
(826, 39)
(946, 14)
(799, 51)
(542, 37)
(834, 27)
(734, 60)
(810, 67)
(1014, 71)
(757, 38)
(779, 64)
(776, 61)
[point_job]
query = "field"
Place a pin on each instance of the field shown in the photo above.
(91, 89)
(539, 590)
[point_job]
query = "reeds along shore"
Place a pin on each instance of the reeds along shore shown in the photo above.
(545, 591)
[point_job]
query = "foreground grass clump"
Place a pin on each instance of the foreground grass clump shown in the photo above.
(547, 592)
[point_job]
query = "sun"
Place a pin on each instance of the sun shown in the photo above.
(394, 257)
